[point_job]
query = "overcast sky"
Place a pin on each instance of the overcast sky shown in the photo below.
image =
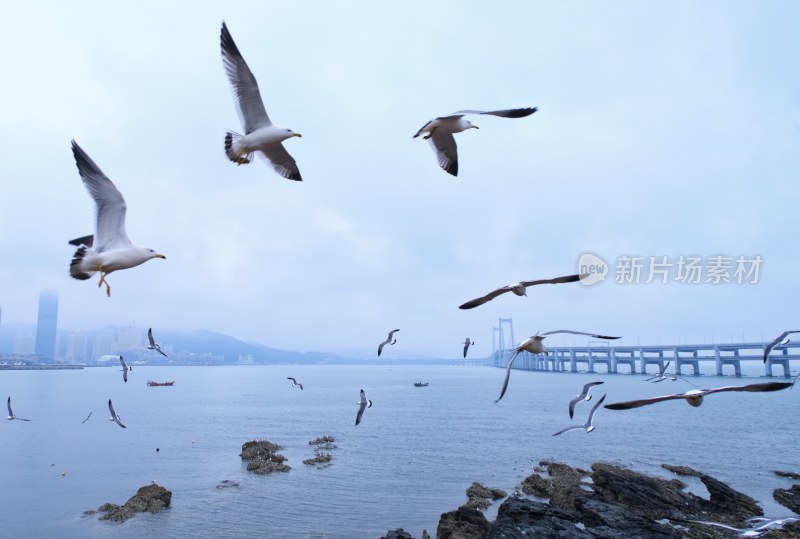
(664, 129)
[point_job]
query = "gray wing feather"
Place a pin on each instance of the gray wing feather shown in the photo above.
(150, 337)
(562, 431)
(766, 386)
(280, 160)
(483, 299)
(557, 280)
(577, 333)
(446, 151)
(88, 241)
(110, 206)
(246, 95)
(508, 373)
(776, 342)
(642, 402)
(508, 113)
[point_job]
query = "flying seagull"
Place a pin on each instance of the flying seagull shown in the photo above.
(294, 382)
(153, 344)
(760, 525)
(778, 341)
(695, 396)
(534, 345)
(109, 249)
(440, 133)
(661, 376)
(363, 404)
(87, 417)
(114, 417)
(588, 427)
(11, 415)
(519, 289)
(467, 343)
(259, 133)
(584, 396)
(125, 369)
(389, 340)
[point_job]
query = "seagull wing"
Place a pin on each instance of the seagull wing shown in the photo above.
(776, 342)
(466, 347)
(380, 347)
(245, 88)
(280, 160)
(88, 241)
(114, 415)
(361, 407)
(110, 206)
(766, 386)
(87, 417)
(488, 297)
(643, 402)
(577, 333)
(508, 113)
(446, 151)
(391, 334)
(158, 349)
(562, 431)
(8, 405)
(557, 280)
(508, 373)
(594, 409)
(572, 404)
(150, 337)
(292, 379)
(122, 362)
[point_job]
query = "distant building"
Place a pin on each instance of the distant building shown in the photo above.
(23, 345)
(45, 348)
(103, 344)
(246, 359)
(130, 339)
(77, 347)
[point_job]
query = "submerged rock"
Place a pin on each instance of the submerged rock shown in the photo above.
(227, 483)
(790, 475)
(399, 533)
(264, 457)
(319, 459)
(151, 498)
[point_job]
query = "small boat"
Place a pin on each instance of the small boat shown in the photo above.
(159, 384)
(420, 384)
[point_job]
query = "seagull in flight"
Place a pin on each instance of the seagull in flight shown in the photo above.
(467, 343)
(125, 369)
(259, 133)
(778, 341)
(114, 417)
(695, 396)
(760, 525)
(294, 382)
(661, 376)
(87, 417)
(389, 340)
(440, 133)
(363, 404)
(11, 415)
(534, 345)
(153, 344)
(109, 248)
(584, 396)
(519, 289)
(588, 427)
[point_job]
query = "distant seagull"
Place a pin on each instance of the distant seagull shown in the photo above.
(440, 133)
(661, 376)
(11, 415)
(362, 405)
(467, 343)
(294, 382)
(777, 341)
(153, 344)
(519, 289)
(87, 417)
(125, 369)
(389, 340)
(695, 396)
(534, 346)
(109, 249)
(114, 417)
(584, 396)
(588, 427)
(259, 133)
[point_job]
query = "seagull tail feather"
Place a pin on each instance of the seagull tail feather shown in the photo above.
(75, 269)
(237, 158)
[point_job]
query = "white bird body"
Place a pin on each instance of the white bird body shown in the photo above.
(584, 396)
(125, 369)
(260, 134)
(153, 344)
(588, 426)
(109, 249)
(534, 345)
(447, 124)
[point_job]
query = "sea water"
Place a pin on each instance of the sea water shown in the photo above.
(411, 458)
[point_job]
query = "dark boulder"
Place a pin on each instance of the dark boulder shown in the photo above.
(151, 498)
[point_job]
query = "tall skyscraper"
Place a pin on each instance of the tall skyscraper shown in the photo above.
(45, 348)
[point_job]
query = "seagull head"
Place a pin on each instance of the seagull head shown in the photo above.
(150, 253)
(470, 125)
(290, 134)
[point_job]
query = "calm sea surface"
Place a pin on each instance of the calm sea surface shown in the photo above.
(411, 458)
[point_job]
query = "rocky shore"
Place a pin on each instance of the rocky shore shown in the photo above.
(611, 501)
(264, 457)
(321, 459)
(150, 498)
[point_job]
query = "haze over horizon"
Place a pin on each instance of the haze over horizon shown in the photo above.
(662, 131)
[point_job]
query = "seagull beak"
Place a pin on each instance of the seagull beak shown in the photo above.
(297, 135)
(159, 255)
(475, 126)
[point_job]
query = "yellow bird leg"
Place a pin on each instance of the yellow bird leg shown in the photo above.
(103, 281)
